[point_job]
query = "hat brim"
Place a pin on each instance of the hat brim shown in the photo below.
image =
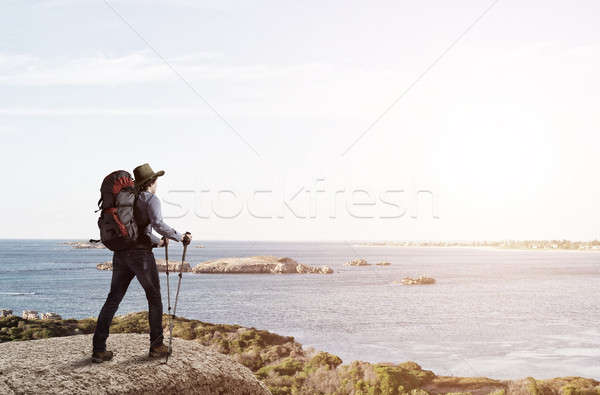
(157, 174)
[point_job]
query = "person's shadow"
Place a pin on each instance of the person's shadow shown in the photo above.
(134, 360)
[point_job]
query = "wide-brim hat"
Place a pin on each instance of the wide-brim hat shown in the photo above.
(143, 173)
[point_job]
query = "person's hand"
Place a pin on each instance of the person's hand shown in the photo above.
(163, 242)
(187, 238)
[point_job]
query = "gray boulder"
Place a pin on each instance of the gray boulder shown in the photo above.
(62, 365)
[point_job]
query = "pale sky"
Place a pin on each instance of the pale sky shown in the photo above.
(502, 129)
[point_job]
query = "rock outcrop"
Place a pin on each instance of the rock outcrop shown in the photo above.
(255, 264)
(30, 315)
(104, 266)
(160, 265)
(51, 316)
(383, 264)
(84, 245)
(258, 264)
(358, 262)
(5, 313)
(278, 361)
(418, 281)
(63, 365)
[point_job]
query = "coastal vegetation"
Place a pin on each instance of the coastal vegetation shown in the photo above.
(287, 368)
(503, 244)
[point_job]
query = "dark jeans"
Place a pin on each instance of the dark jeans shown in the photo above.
(127, 264)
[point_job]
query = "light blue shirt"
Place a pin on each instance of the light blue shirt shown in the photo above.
(148, 215)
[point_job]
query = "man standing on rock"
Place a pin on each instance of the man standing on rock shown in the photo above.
(139, 261)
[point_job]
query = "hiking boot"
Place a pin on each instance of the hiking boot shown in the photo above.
(101, 356)
(159, 351)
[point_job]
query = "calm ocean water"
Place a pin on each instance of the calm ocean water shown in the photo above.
(501, 314)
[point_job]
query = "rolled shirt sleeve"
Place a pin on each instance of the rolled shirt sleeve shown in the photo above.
(156, 220)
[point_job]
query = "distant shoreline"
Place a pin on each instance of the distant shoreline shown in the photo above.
(488, 248)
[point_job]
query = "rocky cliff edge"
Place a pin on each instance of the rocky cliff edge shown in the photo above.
(63, 365)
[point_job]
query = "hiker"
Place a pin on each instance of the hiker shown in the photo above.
(138, 260)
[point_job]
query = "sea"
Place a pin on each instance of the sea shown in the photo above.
(502, 314)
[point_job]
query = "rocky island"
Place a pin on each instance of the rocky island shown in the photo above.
(363, 262)
(160, 265)
(253, 265)
(279, 362)
(83, 245)
(259, 264)
(358, 262)
(421, 280)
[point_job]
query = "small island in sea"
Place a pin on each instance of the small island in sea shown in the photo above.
(259, 264)
(421, 280)
(161, 266)
(91, 244)
(254, 265)
(363, 262)
(358, 262)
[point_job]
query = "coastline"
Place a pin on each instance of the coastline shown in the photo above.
(482, 248)
(383, 328)
(286, 367)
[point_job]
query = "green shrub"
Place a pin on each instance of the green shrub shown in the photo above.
(532, 386)
(325, 359)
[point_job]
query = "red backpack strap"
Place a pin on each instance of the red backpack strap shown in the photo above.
(113, 212)
(120, 183)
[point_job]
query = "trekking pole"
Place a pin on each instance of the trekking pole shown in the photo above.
(176, 298)
(168, 289)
